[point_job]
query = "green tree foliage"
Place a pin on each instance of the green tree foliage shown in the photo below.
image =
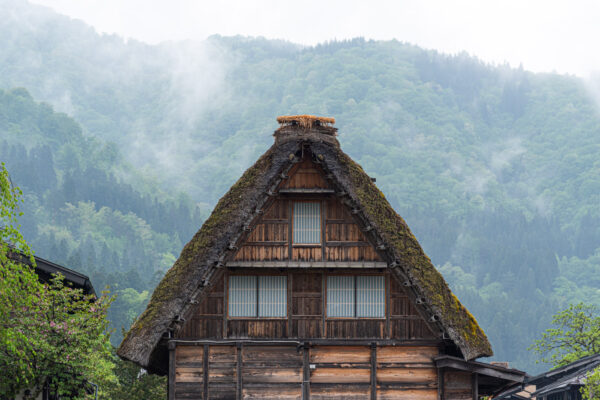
(591, 390)
(576, 334)
(50, 334)
(136, 384)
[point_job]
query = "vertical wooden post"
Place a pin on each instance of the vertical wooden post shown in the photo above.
(323, 305)
(290, 299)
(171, 379)
(239, 394)
(224, 334)
(373, 371)
(290, 228)
(205, 371)
(475, 386)
(441, 394)
(323, 229)
(306, 372)
(388, 304)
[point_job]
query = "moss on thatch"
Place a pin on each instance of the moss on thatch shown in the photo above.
(207, 248)
(455, 318)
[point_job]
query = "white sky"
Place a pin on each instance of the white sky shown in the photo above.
(543, 35)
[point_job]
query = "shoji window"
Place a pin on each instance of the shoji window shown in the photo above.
(272, 296)
(361, 296)
(257, 296)
(340, 296)
(242, 296)
(370, 296)
(307, 222)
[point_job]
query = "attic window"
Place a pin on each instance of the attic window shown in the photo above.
(361, 296)
(257, 296)
(307, 222)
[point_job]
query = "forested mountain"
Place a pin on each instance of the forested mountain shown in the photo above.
(78, 213)
(495, 169)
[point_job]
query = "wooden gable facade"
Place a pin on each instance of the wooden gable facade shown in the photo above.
(378, 339)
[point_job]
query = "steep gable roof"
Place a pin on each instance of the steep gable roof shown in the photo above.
(210, 248)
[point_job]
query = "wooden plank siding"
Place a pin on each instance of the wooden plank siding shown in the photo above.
(288, 371)
(306, 316)
(270, 237)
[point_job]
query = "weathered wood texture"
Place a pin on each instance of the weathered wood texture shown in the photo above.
(458, 385)
(306, 318)
(329, 372)
(269, 238)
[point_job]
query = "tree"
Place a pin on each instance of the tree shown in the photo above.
(136, 384)
(576, 334)
(50, 334)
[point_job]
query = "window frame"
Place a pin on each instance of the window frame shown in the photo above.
(293, 219)
(257, 275)
(355, 276)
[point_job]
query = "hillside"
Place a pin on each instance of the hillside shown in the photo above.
(495, 169)
(77, 212)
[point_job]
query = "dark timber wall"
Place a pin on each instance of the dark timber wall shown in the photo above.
(341, 239)
(306, 313)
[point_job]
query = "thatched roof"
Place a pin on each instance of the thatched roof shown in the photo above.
(209, 249)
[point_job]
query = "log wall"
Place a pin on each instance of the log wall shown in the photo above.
(303, 371)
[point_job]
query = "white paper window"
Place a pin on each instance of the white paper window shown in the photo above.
(272, 296)
(360, 296)
(307, 222)
(262, 296)
(242, 296)
(370, 296)
(340, 296)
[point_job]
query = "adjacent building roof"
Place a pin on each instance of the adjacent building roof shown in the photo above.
(46, 269)
(208, 250)
(553, 381)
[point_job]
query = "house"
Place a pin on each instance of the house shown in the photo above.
(562, 383)
(45, 271)
(305, 283)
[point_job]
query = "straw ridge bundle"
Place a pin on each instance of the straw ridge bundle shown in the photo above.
(305, 121)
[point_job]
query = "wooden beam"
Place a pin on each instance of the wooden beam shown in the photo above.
(388, 304)
(480, 368)
(225, 304)
(323, 305)
(316, 341)
(346, 244)
(239, 392)
(373, 371)
(323, 229)
(289, 300)
(273, 243)
(475, 378)
(307, 264)
(171, 379)
(205, 371)
(306, 191)
(290, 228)
(441, 394)
(306, 372)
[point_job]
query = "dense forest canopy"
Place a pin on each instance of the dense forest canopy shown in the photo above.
(495, 169)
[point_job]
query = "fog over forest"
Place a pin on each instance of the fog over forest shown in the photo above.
(122, 149)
